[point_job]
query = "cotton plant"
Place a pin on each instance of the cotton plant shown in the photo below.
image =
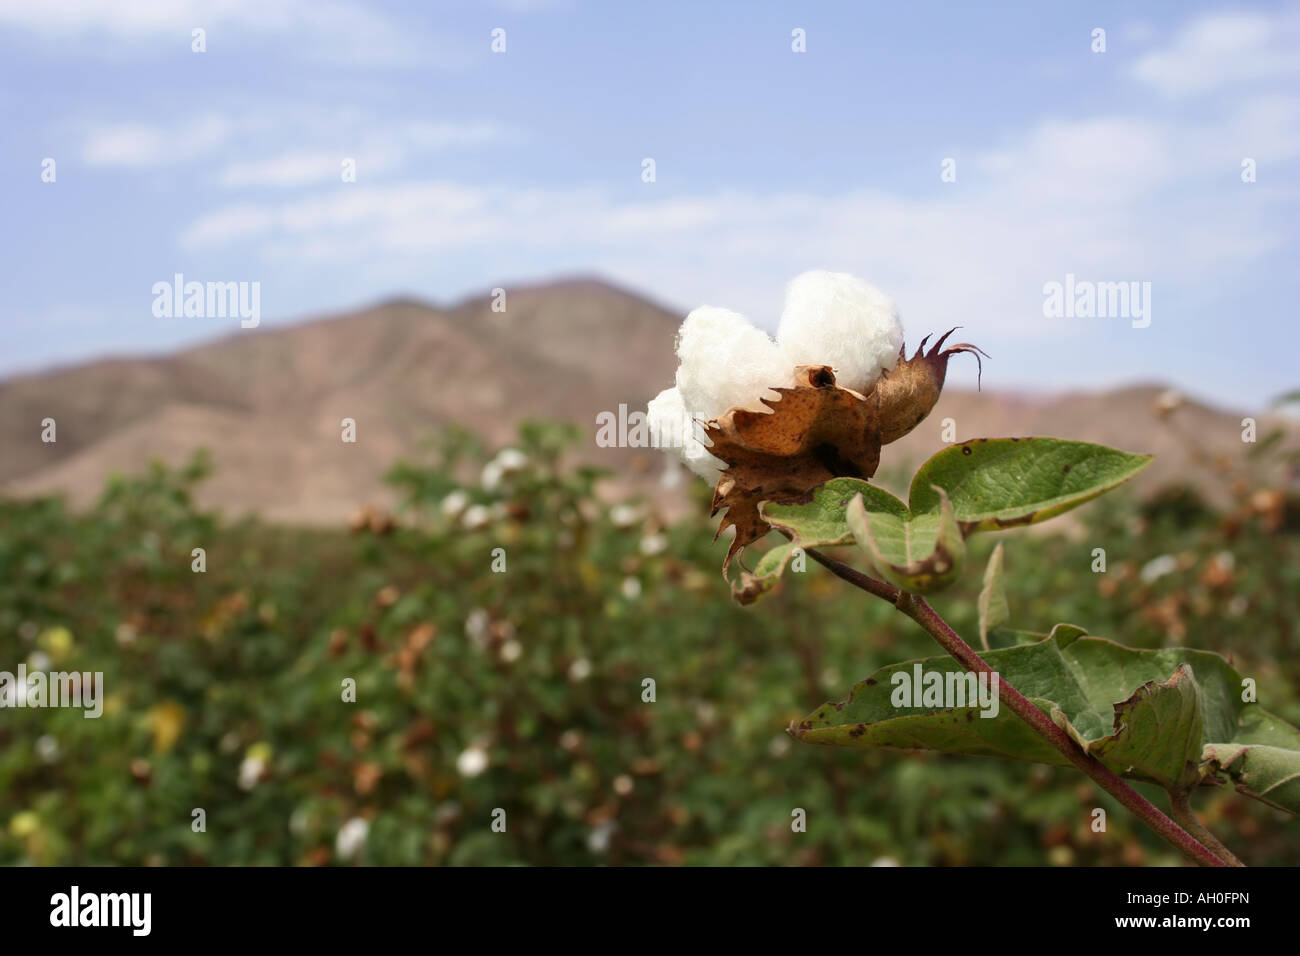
(508, 462)
(790, 430)
(772, 419)
(829, 319)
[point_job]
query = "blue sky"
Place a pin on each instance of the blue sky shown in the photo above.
(478, 169)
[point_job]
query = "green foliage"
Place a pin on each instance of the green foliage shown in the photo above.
(916, 552)
(1175, 729)
(983, 485)
(1165, 725)
(223, 688)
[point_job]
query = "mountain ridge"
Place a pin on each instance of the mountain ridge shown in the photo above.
(269, 402)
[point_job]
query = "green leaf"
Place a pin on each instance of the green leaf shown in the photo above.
(998, 483)
(1144, 713)
(822, 520)
(918, 553)
(1158, 731)
(993, 607)
(991, 483)
(1269, 774)
(765, 575)
(1263, 760)
(817, 523)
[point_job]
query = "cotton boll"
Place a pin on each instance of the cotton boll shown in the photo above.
(725, 362)
(455, 503)
(667, 419)
(835, 319)
(351, 839)
(472, 761)
(251, 770)
(47, 749)
(625, 515)
(511, 460)
(696, 455)
(672, 427)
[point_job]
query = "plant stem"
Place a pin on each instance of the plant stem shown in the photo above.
(920, 611)
(1180, 808)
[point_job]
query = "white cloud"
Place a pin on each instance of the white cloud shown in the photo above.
(533, 6)
(232, 224)
(1109, 199)
(299, 168)
(1220, 51)
(138, 144)
(335, 30)
(375, 150)
(322, 140)
(435, 136)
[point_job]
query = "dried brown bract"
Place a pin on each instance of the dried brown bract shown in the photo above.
(817, 431)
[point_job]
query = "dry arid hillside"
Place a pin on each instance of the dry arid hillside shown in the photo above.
(268, 403)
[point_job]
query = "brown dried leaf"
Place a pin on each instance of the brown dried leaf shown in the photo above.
(814, 432)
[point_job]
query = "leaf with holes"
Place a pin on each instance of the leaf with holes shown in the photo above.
(1147, 714)
(1159, 731)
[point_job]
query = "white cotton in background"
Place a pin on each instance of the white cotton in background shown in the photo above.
(472, 761)
(251, 770)
(351, 839)
(455, 503)
(511, 460)
(598, 837)
(1158, 567)
(47, 749)
(476, 517)
(835, 319)
(580, 670)
(508, 461)
(625, 515)
(726, 361)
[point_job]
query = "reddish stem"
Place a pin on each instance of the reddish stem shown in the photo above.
(919, 610)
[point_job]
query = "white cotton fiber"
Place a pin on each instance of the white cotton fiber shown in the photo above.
(835, 319)
(667, 419)
(725, 361)
(695, 453)
(672, 428)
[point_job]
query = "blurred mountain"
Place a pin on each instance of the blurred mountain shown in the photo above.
(268, 403)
